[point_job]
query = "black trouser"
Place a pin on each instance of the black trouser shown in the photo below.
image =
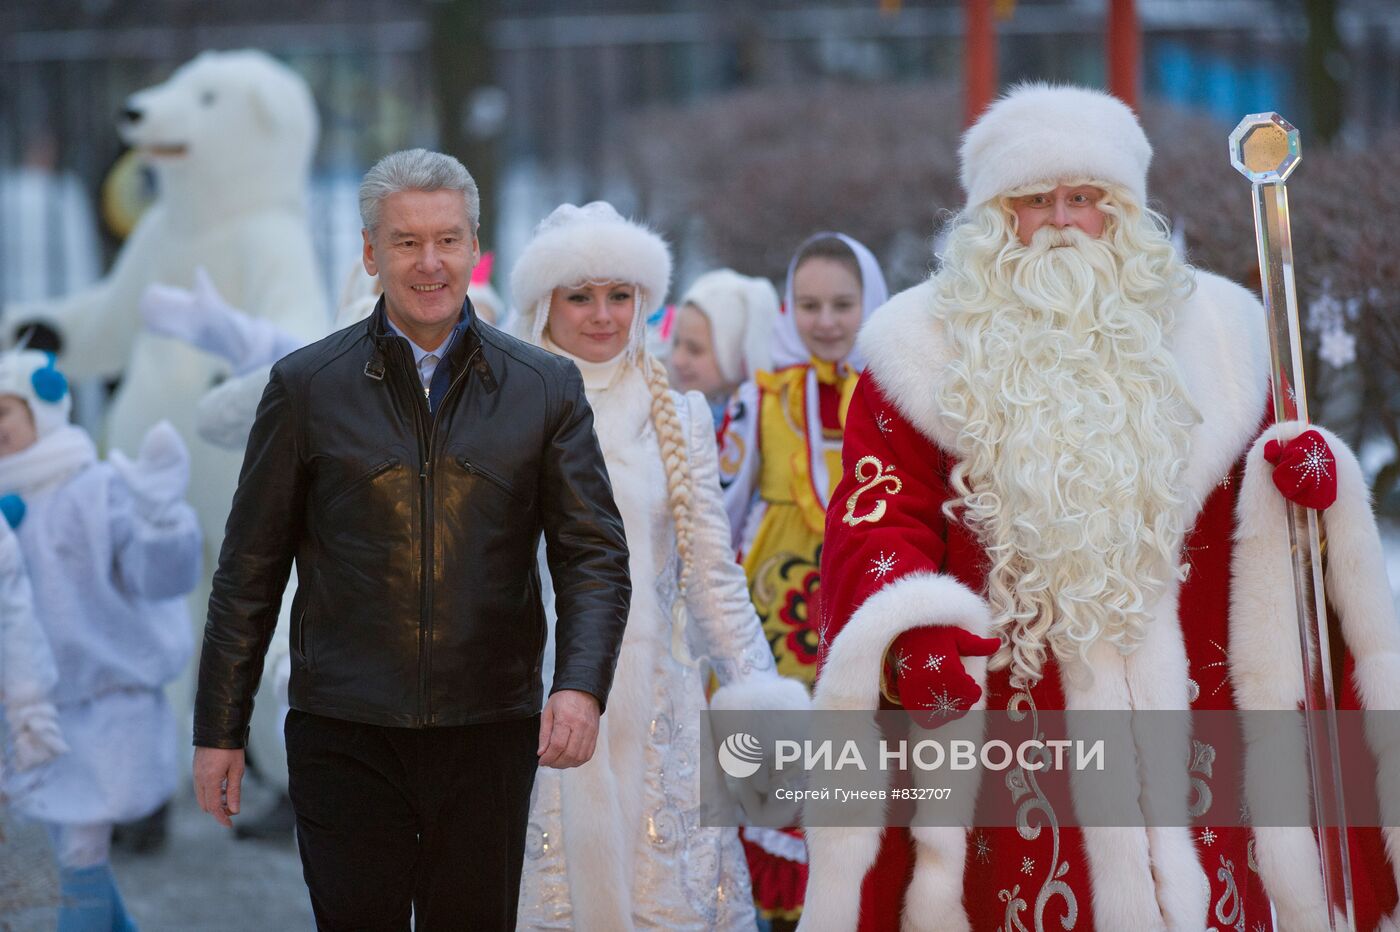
(428, 818)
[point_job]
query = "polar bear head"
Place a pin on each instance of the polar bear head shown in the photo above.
(232, 121)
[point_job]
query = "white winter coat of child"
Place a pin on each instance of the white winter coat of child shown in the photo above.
(111, 549)
(27, 674)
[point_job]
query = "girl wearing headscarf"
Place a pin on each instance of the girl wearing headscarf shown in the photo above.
(780, 460)
(722, 335)
(617, 843)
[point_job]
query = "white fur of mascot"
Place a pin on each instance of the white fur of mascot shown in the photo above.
(230, 136)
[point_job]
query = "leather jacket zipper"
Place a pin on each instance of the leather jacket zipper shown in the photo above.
(425, 628)
(370, 476)
(420, 404)
(486, 474)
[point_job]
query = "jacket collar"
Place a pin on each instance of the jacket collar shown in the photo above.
(382, 338)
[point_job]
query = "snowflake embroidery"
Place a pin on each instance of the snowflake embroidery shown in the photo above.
(1216, 664)
(1225, 483)
(882, 421)
(934, 663)
(984, 848)
(1207, 837)
(901, 663)
(1314, 464)
(882, 565)
(1027, 866)
(821, 639)
(943, 704)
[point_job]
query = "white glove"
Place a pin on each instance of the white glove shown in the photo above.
(159, 476)
(35, 734)
(203, 319)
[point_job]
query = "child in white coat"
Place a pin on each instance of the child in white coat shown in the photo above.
(27, 674)
(111, 549)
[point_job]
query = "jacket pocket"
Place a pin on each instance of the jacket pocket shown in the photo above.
(364, 480)
(303, 642)
(476, 469)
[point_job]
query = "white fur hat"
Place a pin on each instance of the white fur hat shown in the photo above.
(592, 243)
(31, 375)
(741, 311)
(1042, 133)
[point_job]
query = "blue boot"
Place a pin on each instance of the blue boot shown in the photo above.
(91, 902)
(87, 899)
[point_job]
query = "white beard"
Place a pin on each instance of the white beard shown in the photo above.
(1072, 440)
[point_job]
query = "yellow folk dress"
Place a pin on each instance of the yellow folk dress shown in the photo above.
(791, 459)
(780, 459)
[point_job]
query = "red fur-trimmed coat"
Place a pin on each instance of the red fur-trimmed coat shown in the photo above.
(1223, 639)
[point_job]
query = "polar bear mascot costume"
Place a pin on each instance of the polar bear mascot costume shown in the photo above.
(230, 137)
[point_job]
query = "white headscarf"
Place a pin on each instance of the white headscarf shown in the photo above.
(742, 312)
(788, 348)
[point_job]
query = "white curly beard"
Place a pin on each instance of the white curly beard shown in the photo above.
(1073, 433)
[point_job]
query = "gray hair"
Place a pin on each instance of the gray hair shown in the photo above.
(416, 170)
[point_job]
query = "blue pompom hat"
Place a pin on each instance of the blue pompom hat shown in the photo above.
(30, 375)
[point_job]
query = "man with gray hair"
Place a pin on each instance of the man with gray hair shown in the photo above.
(409, 464)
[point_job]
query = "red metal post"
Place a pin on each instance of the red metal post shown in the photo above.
(979, 58)
(1124, 51)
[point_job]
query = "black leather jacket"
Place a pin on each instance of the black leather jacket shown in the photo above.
(415, 537)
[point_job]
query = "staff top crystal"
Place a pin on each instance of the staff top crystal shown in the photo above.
(1265, 148)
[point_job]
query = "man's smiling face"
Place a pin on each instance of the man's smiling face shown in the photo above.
(423, 251)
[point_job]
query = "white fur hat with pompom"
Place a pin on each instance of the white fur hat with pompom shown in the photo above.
(1047, 134)
(30, 374)
(592, 243)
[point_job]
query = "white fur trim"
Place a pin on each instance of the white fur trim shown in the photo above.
(762, 692)
(850, 680)
(851, 677)
(589, 243)
(1219, 344)
(1266, 659)
(777, 843)
(1143, 878)
(1042, 133)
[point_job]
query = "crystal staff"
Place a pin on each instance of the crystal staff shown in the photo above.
(1264, 148)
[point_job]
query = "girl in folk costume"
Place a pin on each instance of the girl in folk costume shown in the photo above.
(111, 548)
(722, 334)
(780, 459)
(781, 445)
(616, 844)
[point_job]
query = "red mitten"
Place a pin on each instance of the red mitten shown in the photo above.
(925, 665)
(1305, 471)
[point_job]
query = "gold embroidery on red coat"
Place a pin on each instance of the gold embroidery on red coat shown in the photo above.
(871, 473)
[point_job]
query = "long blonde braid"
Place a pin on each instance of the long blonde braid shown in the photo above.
(671, 438)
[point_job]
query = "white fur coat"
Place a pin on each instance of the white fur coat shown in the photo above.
(616, 844)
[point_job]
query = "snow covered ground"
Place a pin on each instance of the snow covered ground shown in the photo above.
(205, 880)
